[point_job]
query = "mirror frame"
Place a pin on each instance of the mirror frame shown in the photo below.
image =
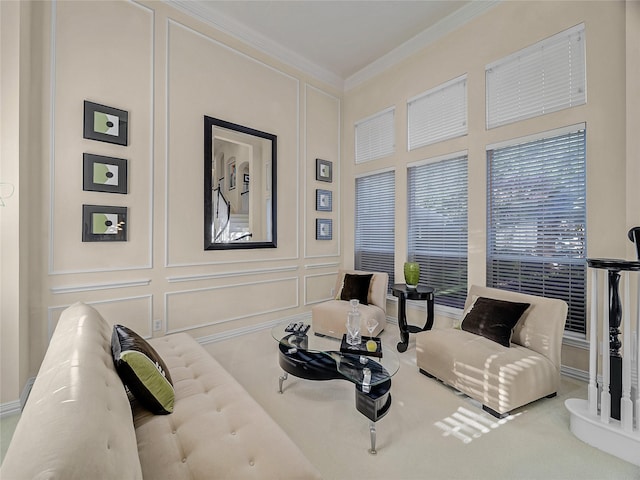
(209, 124)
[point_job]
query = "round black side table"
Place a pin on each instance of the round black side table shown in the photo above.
(403, 293)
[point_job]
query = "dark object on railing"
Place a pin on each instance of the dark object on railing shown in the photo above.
(634, 236)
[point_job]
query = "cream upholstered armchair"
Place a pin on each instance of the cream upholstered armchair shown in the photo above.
(330, 317)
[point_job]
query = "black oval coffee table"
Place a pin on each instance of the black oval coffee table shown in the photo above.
(318, 357)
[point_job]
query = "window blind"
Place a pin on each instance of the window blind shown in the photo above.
(536, 220)
(375, 136)
(537, 80)
(375, 223)
(437, 210)
(438, 114)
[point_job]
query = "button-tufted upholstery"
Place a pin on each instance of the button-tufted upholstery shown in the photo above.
(217, 430)
(78, 422)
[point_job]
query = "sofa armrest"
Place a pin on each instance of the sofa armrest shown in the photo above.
(77, 423)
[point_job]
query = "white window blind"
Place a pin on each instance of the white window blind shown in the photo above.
(536, 218)
(375, 136)
(375, 223)
(438, 114)
(537, 80)
(437, 210)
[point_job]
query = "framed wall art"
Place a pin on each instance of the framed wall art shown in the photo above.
(104, 174)
(324, 170)
(232, 173)
(324, 229)
(105, 124)
(104, 224)
(323, 200)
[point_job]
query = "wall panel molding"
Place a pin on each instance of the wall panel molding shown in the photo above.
(68, 146)
(243, 273)
(324, 281)
(211, 306)
(99, 286)
(141, 324)
(247, 256)
(315, 146)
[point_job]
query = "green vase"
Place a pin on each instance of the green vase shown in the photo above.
(411, 274)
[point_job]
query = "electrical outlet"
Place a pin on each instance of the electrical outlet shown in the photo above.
(157, 325)
(333, 292)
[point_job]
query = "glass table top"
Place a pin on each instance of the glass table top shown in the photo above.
(352, 365)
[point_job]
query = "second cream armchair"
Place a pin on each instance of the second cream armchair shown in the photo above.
(330, 317)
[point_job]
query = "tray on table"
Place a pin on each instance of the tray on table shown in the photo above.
(362, 348)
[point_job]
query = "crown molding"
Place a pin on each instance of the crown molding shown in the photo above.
(445, 26)
(235, 29)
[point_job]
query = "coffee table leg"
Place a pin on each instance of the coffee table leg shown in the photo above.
(372, 433)
(281, 379)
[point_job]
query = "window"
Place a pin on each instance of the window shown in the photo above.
(375, 223)
(375, 136)
(536, 218)
(543, 78)
(438, 114)
(437, 202)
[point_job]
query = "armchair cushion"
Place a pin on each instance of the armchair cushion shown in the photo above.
(356, 287)
(494, 319)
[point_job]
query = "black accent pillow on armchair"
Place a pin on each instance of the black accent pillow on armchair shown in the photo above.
(494, 319)
(356, 286)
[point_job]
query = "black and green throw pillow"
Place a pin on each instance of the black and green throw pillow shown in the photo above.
(142, 370)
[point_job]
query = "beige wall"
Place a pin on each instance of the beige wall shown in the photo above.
(507, 28)
(168, 71)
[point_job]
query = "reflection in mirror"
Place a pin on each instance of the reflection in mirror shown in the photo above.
(239, 186)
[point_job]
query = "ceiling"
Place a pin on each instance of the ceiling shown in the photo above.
(338, 41)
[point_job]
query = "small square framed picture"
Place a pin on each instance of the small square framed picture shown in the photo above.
(104, 174)
(324, 229)
(104, 224)
(324, 170)
(323, 200)
(105, 124)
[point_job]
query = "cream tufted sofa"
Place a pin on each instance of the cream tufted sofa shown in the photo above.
(330, 317)
(501, 378)
(78, 422)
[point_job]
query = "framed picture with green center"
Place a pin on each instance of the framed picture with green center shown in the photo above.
(102, 223)
(104, 174)
(105, 124)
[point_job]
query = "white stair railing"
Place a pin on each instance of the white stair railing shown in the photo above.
(591, 420)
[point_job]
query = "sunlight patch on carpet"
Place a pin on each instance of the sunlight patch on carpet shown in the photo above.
(467, 425)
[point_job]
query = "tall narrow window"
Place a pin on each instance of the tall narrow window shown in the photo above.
(438, 114)
(375, 223)
(437, 203)
(537, 80)
(536, 219)
(375, 136)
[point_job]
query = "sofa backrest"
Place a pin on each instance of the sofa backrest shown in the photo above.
(77, 422)
(540, 327)
(377, 289)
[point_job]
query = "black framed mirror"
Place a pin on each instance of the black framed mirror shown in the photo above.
(239, 186)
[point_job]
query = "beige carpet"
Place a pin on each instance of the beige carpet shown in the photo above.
(431, 431)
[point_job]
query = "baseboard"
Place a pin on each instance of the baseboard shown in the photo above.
(10, 408)
(574, 373)
(238, 332)
(16, 406)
